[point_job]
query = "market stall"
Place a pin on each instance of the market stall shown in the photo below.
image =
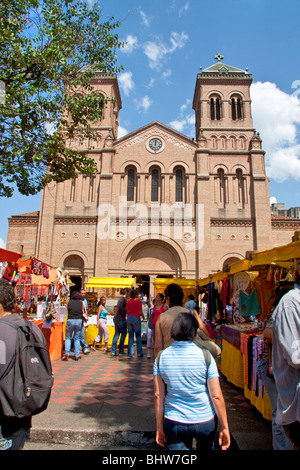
(100, 283)
(239, 301)
(189, 286)
(47, 288)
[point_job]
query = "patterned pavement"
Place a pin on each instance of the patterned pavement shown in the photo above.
(100, 377)
(103, 395)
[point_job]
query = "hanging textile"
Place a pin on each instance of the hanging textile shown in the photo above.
(248, 304)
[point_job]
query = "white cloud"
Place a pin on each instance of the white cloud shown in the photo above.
(157, 50)
(145, 19)
(185, 121)
(131, 43)
(178, 125)
(144, 104)
(276, 116)
(121, 132)
(2, 243)
(184, 8)
(166, 74)
(126, 82)
(150, 84)
(273, 200)
(186, 124)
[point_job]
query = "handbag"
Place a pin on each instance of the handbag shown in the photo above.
(50, 310)
(203, 341)
(150, 321)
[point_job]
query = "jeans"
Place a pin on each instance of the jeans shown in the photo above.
(280, 440)
(73, 326)
(120, 329)
(180, 435)
(83, 344)
(134, 326)
(17, 438)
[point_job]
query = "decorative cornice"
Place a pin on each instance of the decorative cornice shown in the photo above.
(231, 222)
(23, 221)
(286, 224)
(75, 220)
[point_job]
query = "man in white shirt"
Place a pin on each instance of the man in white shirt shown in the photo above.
(286, 361)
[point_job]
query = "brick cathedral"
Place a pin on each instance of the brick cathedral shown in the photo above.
(161, 204)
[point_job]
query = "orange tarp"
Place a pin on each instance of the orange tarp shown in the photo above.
(9, 256)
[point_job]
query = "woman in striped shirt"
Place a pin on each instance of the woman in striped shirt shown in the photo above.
(193, 403)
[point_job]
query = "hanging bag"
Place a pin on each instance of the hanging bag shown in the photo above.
(50, 310)
(203, 341)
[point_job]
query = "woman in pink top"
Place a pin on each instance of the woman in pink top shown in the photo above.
(159, 307)
(134, 324)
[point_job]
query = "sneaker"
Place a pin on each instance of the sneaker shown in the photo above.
(87, 351)
(114, 354)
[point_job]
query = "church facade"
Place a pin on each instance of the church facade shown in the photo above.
(161, 204)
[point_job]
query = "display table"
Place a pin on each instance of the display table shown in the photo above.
(91, 330)
(234, 366)
(54, 338)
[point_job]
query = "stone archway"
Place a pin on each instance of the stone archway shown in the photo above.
(154, 257)
(75, 265)
(229, 261)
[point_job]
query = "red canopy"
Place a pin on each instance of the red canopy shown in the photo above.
(9, 256)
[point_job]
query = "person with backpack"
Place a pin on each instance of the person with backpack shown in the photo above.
(187, 395)
(22, 347)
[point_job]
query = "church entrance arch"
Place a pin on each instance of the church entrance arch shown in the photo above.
(153, 257)
(150, 259)
(75, 265)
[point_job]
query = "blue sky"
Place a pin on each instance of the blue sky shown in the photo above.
(167, 43)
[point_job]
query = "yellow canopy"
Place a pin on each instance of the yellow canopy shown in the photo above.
(238, 266)
(279, 253)
(163, 282)
(282, 256)
(110, 282)
(204, 281)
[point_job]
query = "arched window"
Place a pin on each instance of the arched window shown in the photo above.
(130, 184)
(179, 186)
(236, 108)
(154, 185)
(241, 187)
(215, 108)
(101, 104)
(222, 186)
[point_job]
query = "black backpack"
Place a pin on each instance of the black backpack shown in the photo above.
(25, 387)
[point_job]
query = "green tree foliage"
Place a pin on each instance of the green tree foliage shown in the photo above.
(49, 52)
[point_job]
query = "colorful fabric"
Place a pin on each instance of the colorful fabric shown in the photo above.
(248, 304)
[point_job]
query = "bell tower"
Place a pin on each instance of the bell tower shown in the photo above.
(222, 101)
(230, 166)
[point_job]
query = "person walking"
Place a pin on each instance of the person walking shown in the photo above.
(191, 304)
(134, 325)
(83, 344)
(159, 307)
(280, 441)
(102, 325)
(74, 325)
(174, 299)
(188, 399)
(120, 323)
(13, 431)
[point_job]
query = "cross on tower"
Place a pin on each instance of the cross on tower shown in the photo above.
(219, 57)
